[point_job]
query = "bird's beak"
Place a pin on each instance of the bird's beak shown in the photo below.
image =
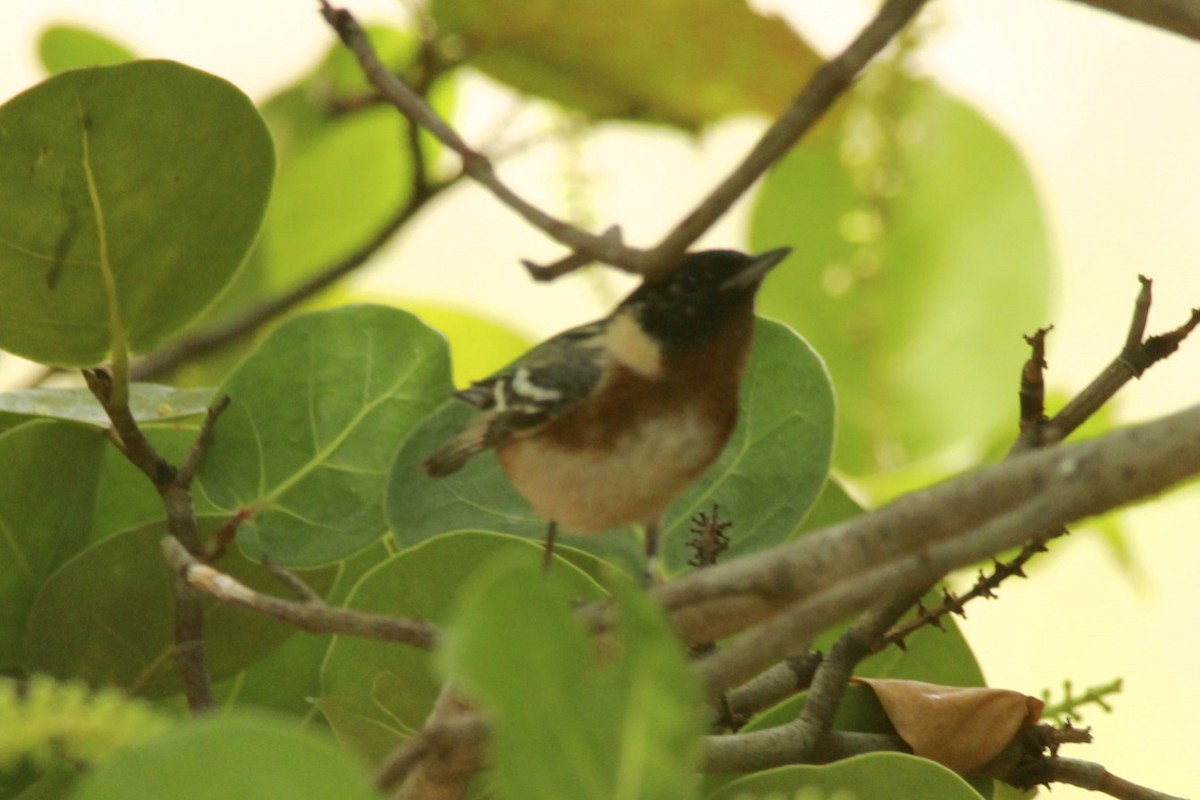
(756, 268)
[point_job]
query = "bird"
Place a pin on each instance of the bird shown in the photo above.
(607, 423)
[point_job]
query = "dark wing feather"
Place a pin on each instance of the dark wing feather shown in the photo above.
(526, 394)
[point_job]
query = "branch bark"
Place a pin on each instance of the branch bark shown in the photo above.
(1175, 16)
(311, 613)
(174, 488)
(826, 85)
(807, 585)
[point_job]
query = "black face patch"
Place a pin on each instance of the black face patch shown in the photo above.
(694, 300)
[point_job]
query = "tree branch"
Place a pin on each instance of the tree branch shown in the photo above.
(311, 613)
(1176, 16)
(806, 585)
(173, 487)
(826, 85)
(1137, 356)
(1089, 775)
(440, 760)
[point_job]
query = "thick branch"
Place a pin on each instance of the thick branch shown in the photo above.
(843, 568)
(440, 760)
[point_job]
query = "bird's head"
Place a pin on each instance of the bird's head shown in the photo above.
(700, 294)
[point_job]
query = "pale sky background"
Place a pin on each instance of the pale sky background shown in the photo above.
(1106, 113)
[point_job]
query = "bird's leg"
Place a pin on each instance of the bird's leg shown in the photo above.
(551, 535)
(650, 576)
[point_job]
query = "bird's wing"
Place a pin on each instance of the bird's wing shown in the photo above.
(525, 395)
(548, 379)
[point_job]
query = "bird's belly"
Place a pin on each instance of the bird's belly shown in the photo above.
(633, 478)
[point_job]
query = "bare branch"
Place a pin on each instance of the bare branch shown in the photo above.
(172, 486)
(1089, 775)
(439, 762)
(809, 584)
(829, 82)
(825, 87)
(1176, 16)
(1138, 355)
(791, 675)
(312, 615)
(474, 164)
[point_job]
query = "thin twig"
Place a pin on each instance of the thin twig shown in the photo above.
(475, 164)
(1089, 775)
(826, 85)
(1032, 393)
(1137, 356)
(985, 586)
(224, 333)
(312, 615)
(195, 455)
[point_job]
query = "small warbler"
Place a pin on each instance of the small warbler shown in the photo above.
(607, 423)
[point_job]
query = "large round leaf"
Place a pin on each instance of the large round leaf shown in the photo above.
(922, 330)
(131, 195)
(107, 616)
(624, 722)
(47, 497)
(374, 693)
(682, 62)
(237, 756)
(316, 414)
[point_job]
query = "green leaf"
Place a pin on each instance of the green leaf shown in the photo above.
(921, 326)
(63, 47)
(374, 693)
(107, 616)
(46, 500)
(563, 725)
(289, 678)
(765, 481)
(132, 193)
(334, 193)
(344, 171)
(609, 59)
(832, 506)
(238, 756)
(149, 403)
(316, 414)
(896, 776)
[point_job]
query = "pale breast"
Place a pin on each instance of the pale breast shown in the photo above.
(633, 480)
